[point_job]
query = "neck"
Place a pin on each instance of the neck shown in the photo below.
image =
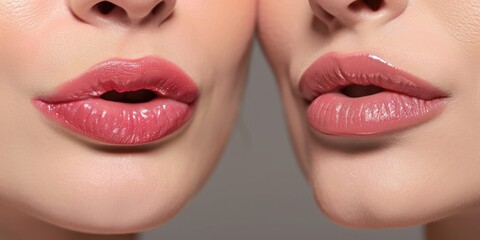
(18, 226)
(461, 226)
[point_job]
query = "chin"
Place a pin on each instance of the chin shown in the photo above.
(107, 194)
(386, 189)
(123, 222)
(117, 208)
(370, 212)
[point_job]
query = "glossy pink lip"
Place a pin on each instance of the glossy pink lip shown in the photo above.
(405, 101)
(77, 105)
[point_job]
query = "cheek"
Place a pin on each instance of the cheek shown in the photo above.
(283, 26)
(223, 29)
(34, 36)
(460, 18)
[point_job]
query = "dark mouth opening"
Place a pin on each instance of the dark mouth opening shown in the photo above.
(358, 91)
(140, 96)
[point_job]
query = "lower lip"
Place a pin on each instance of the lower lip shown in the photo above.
(385, 112)
(119, 123)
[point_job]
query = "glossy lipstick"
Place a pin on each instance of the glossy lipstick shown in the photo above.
(358, 95)
(78, 104)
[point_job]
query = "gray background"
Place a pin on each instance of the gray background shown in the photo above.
(257, 190)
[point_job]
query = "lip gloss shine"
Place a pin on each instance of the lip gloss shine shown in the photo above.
(404, 102)
(77, 104)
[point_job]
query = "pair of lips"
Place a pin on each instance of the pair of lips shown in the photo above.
(81, 106)
(392, 99)
(400, 100)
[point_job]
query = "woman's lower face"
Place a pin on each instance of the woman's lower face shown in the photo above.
(383, 104)
(125, 67)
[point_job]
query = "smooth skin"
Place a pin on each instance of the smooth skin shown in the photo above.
(415, 176)
(54, 183)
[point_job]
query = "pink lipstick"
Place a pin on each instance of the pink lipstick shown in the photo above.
(358, 95)
(124, 102)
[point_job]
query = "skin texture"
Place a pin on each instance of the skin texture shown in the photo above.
(414, 176)
(54, 178)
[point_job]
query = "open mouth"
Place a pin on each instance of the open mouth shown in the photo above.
(357, 95)
(124, 102)
(358, 91)
(140, 96)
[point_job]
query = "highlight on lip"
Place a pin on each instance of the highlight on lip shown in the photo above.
(124, 102)
(358, 95)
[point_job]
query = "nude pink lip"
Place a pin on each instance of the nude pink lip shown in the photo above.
(77, 105)
(404, 101)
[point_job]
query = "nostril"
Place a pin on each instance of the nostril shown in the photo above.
(158, 8)
(372, 5)
(104, 7)
(124, 12)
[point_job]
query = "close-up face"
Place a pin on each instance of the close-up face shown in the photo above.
(115, 112)
(383, 103)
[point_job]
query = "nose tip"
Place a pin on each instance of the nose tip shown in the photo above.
(129, 12)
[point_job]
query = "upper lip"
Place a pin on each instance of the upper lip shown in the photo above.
(333, 71)
(124, 75)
